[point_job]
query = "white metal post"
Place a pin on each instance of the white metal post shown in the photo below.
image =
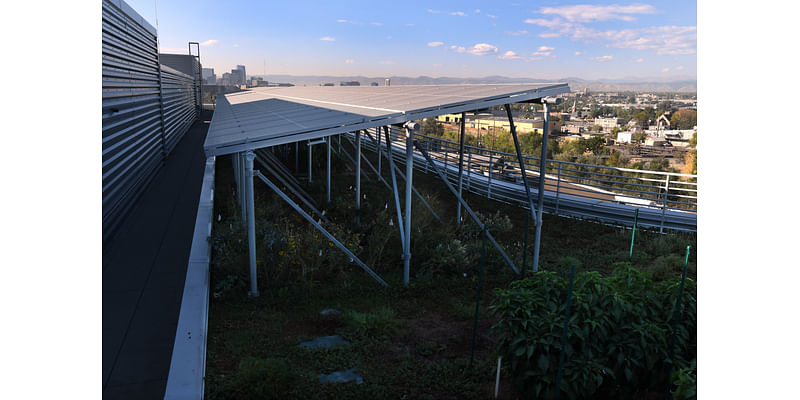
(251, 224)
(543, 162)
(460, 168)
(309, 161)
(328, 170)
(410, 127)
(358, 172)
(378, 134)
(664, 208)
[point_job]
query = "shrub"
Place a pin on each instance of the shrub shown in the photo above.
(618, 332)
(370, 325)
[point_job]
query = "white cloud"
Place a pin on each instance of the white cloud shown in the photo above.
(679, 68)
(491, 16)
(477, 11)
(209, 42)
(236, 45)
(433, 11)
(344, 21)
(638, 60)
(589, 13)
(517, 33)
(482, 49)
(665, 70)
(388, 62)
(435, 44)
(327, 39)
(458, 49)
(663, 40)
(349, 61)
(578, 53)
(458, 13)
(509, 55)
(603, 58)
(545, 48)
(376, 23)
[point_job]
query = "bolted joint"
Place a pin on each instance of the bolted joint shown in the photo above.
(550, 100)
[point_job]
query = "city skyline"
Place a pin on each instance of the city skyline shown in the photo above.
(653, 40)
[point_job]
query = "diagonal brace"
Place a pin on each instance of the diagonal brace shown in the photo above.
(466, 207)
(320, 228)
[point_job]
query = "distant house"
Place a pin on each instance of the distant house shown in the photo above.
(624, 137)
(575, 127)
(608, 123)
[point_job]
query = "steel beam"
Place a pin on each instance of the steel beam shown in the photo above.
(251, 223)
(527, 187)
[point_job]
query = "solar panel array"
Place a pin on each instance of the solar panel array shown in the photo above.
(264, 117)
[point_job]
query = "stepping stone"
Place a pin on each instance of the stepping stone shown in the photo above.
(341, 377)
(325, 342)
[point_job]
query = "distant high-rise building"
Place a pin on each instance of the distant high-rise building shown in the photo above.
(237, 77)
(244, 74)
(209, 77)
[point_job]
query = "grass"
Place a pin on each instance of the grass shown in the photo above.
(412, 342)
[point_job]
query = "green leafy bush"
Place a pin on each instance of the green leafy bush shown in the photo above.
(380, 324)
(685, 381)
(618, 332)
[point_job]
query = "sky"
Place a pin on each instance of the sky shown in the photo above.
(597, 40)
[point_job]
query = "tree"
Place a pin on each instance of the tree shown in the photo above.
(641, 119)
(693, 140)
(683, 119)
(432, 128)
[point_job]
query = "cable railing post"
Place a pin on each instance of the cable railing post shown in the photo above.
(664, 207)
(251, 222)
(558, 186)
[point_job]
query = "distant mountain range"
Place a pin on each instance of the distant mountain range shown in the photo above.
(576, 84)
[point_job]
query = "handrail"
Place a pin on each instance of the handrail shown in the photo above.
(666, 199)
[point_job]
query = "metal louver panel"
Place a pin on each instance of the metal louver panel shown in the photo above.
(178, 97)
(132, 144)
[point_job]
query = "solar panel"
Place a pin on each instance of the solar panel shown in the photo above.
(263, 117)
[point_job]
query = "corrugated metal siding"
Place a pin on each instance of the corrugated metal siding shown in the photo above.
(178, 96)
(136, 135)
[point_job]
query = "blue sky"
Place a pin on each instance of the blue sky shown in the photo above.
(612, 40)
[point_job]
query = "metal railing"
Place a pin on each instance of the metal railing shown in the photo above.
(665, 200)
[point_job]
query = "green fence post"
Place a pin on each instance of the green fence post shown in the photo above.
(633, 234)
(675, 322)
(478, 298)
(564, 332)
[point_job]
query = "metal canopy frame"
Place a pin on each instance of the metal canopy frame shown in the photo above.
(273, 117)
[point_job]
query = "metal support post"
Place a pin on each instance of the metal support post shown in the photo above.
(558, 186)
(378, 134)
(489, 185)
(358, 172)
(395, 192)
(542, 171)
(460, 168)
(410, 128)
(243, 187)
(328, 170)
(524, 178)
(664, 207)
(297, 157)
(251, 224)
(309, 161)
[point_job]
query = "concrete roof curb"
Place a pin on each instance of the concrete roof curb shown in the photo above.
(187, 369)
